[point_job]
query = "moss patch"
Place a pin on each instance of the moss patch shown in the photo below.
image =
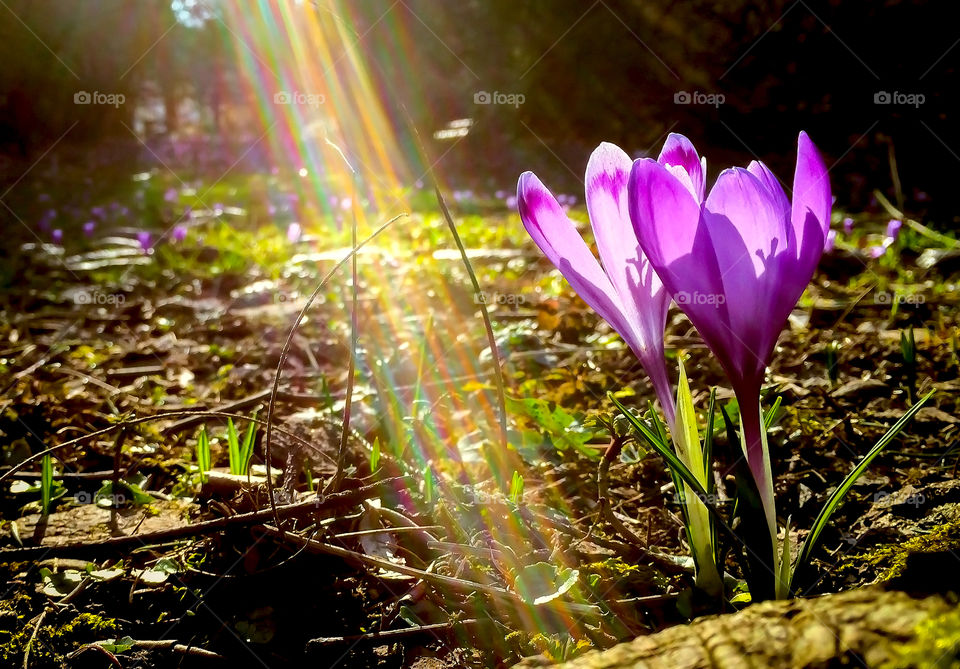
(53, 640)
(890, 560)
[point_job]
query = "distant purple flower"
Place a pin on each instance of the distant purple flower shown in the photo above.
(171, 195)
(43, 197)
(346, 203)
(88, 228)
(511, 202)
(48, 216)
(418, 184)
(624, 289)
(294, 232)
(571, 200)
(145, 239)
(893, 229)
(877, 251)
(830, 242)
(500, 194)
(99, 212)
(848, 226)
(561, 199)
(179, 233)
(57, 236)
(271, 209)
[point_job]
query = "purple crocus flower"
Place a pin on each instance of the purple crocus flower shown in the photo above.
(57, 236)
(735, 262)
(88, 228)
(179, 233)
(171, 195)
(830, 242)
(294, 232)
(144, 238)
(625, 291)
(99, 212)
(848, 226)
(877, 251)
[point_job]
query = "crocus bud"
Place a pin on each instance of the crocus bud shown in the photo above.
(88, 228)
(294, 231)
(893, 229)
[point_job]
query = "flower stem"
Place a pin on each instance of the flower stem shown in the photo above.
(754, 442)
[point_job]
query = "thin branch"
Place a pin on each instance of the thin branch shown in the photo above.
(286, 350)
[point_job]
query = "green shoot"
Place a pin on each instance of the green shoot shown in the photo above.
(516, 488)
(233, 448)
(833, 371)
(375, 455)
(46, 484)
(246, 448)
(203, 454)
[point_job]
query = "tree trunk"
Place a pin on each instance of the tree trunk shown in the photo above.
(866, 627)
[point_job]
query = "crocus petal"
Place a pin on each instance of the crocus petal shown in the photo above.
(831, 242)
(560, 241)
(762, 172)
(679, 151)
(641, 294)
(668, 225)
(749, 233)
(640, 290)
(811, 197)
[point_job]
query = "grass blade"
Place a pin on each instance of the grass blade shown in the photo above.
(46, 484)
(836, 498)
(233, 447)
(771, 415)
(375, 455)
(203, 454)
(708, 443)
(246, 448)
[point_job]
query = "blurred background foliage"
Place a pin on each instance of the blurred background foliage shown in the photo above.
(587, 71)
